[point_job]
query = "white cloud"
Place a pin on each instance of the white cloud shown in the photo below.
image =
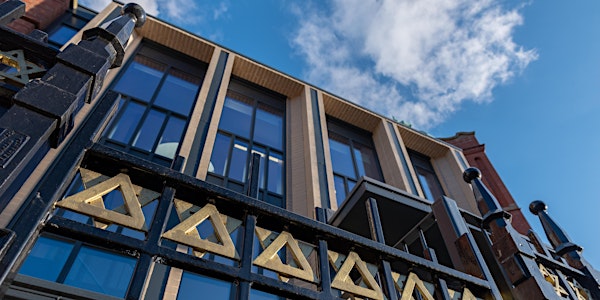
(414, 60)
(177, 11)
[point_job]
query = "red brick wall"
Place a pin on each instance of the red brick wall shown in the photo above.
(39, 14)
(475, 154)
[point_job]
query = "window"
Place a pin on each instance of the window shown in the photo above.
(158, 92)
(352, 156)
(252, 121)
(193, 285)
(432, 189)
(62, 30)
(78, 265)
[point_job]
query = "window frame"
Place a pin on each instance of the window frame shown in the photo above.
(259, 96)
(424, 168)
(172, 60)
(353, 135)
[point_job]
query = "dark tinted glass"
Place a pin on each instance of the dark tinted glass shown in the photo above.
(237, 168)
(275, 183)
(62, 35)
(101, 271)
(46, 259)
(194, 286)
(218, 160)
(236, 117)
(149, 131)
(124, 129)
(141, 78)
(178, 92)
(169, 141)
(268, 129)
(341, 157)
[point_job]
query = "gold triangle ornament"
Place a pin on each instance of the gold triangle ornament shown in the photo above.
(187, 234)
(16, 59)
(413, 281)
(90, 202)
(342, 280)
(553, 280)
(270, 260)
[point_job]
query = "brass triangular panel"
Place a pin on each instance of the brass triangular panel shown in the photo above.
(89, 202)
(16, 59)
(270, 260)
(580, 292)
(187, 234)
(553, 280)
(413, 281)
(467, 295)
(342, 280)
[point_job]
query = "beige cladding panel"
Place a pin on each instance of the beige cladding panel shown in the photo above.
(449, 172)
(177, 39)
(214, 122)
(422, 143)
(302, 175)
(388, 157)
(350, 113)
(266, 77)
(188, 139)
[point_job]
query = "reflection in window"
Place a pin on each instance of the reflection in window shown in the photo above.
(158, 93)
(65, 27)
(352, 156)
(432, 189)
(81, 266)
(195, 286)
(251, 122)
(260, 295)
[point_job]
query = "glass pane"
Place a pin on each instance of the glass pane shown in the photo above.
(236, 117)
(341, 159)
(123, 130)
(237, 169)
(425, 186)
(195, 286)
(141, 78)
(178, 92)
(169, 141)
(261, 172)
(113, 199)
(366, 162)
(340, 189)
(146, 137)
(101, 271)
(46, 259)
(260, 295)
(276, 173)
(218, 159)
(62, 35)
(268, 129)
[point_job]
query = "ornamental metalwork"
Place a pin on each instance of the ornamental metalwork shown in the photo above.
(20, 70)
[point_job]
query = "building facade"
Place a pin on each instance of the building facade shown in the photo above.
(140, 161)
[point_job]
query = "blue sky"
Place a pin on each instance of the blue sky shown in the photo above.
(525, 76)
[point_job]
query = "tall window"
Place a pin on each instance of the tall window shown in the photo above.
(352, 156)
(158, 93)
(252, 121)
(432, 189)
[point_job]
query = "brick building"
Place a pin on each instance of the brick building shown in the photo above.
(140, 161)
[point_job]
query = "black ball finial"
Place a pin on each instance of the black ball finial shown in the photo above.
(537, 206)
(470, 174)
(137, 11)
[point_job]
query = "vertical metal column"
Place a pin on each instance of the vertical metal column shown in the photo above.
(377, 235)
